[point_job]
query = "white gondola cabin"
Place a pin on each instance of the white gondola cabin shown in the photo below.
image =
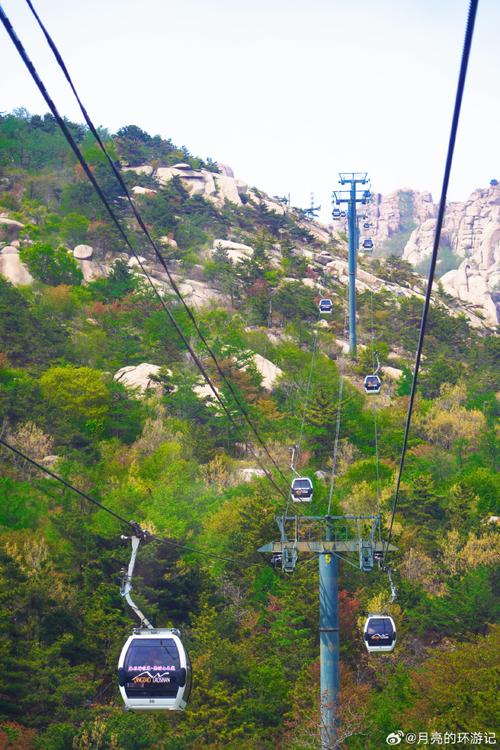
(336, 213)
(325, 306)
(372, 384)
(380, 633)
(154, 672)
(368, 244)
(302, 490)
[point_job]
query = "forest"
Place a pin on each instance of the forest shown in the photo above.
(175, 462)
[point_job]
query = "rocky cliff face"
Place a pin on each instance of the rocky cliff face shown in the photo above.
(214, 187)
(392, 218)
(404, 223)
(471, 235)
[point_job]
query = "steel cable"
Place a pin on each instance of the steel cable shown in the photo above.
(435, 249)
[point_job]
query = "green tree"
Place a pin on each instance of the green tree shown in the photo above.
(74, 228)
(440, 371)
(293, 300)
(27, 333)
(51, 265)
(223, 271)
(76, 396)
(118, 283)
(404, 383)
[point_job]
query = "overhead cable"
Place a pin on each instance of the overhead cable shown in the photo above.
(435, 249)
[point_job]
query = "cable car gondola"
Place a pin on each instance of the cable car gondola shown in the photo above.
(343, 214)
(302, 490)
(277, 559)
(154, 672)
(336, 213)
(372, 384)
(368, 244)
(379, 633)
(325, 306)
(366, 225)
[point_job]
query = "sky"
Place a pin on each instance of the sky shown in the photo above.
(286, 92)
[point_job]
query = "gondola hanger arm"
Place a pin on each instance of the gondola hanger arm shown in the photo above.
(138, 536)
(394, 591)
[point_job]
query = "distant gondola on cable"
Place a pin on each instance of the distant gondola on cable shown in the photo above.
(368, 244)
(302, 490)
(379, 633)
(277, 560)
(336, 213)
(372, 384)
(366, 225)
(325, 306)
(343, 214)
(154, 673)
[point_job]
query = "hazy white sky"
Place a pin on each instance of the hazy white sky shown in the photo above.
(288, 92)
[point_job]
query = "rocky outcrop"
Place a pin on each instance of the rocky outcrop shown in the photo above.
(138, 190)
(12, 268)
(9, 229)
(226, 188)
(93, 270)
(168, 241)
(214, 187)
(235, 250)
(397, 212)
(269, 371)
(477, 287)
(135, 262)
(249, 473)
(318, 230)
(203, 391)
(471, 232)
(392, 372)
(339, 269)
(139, 376)
(199, 294)
(225, 169)
(90, 267)
(257, 198)
(145, 169)
(422, 237)
(83, 252)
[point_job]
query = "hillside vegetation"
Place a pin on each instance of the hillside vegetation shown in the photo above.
(172, 460)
